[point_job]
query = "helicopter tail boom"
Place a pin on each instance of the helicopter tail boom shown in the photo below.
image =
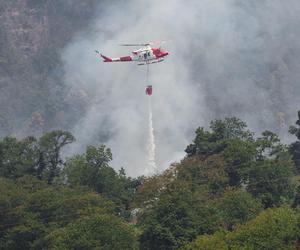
(106, 59)
(119, 59)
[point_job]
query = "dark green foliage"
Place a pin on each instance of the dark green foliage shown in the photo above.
(41, 158)
(216, 193)
(268, 145)
(272, 229)
(18, 158)
(231, 138)
(92, 170)
(270, 177)
(11, 197)
(227, 178)
(214, 142)
(50, 162)
(271, 180)
(96, 232)
(262, 165)
(208, 174)
(177, 218)
(194, 200)
(32, 212)
(296, 202)
(295, 146)
(236, 206)
(238, 155)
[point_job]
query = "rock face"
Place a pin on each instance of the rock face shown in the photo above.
(32, 34)
(26, 27)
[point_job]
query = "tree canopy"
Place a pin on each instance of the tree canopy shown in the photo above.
(232, 190)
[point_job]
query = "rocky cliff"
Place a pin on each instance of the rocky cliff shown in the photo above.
(32, 35)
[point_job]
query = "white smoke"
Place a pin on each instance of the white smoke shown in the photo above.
(226, 58)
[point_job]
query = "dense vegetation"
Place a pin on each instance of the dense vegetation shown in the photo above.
(232, 191)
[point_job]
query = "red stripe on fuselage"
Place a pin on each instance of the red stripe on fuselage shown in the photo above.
(125, 58)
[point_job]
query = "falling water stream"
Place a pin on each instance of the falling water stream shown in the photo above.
(151, 168)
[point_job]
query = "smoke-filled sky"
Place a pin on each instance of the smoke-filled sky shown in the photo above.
(227, 58)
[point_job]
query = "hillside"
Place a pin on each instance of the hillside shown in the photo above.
(210, 160)
(33, 33)
(229, 190)
(50, 77)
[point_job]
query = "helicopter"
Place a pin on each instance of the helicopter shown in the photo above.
(144, 56)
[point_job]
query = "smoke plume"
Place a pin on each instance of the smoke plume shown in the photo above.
(227, 58)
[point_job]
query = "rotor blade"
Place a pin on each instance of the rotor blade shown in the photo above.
(145, 44)
(158, 42)
(135, 44)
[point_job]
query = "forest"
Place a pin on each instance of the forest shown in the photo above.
(230, 62)
(232, 190)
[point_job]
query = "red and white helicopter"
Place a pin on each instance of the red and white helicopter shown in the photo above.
(144, 56)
